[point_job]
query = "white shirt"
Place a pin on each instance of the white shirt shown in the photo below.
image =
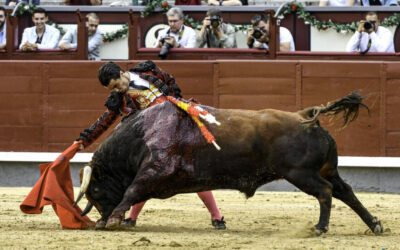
(381, 41)
(187, 40)
(138, 81)
(3, 36)
(50, 37)
(284, 37)
(94, 42)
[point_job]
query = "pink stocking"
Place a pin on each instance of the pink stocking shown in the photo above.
(208, 199)
(135, 210)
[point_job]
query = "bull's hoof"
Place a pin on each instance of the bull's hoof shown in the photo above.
(377, 227)
(318, 231)
(100, 224)
(113, 223)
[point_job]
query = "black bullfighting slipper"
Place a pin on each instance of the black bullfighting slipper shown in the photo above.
(219, 224)
(128, 223)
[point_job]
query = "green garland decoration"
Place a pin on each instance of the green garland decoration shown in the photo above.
(298, 9)
(111, 36)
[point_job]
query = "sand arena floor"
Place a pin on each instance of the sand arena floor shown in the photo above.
(269, 220)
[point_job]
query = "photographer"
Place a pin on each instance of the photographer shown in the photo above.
(177, 35)
(215, 33)
(258, 36)
(370, 37)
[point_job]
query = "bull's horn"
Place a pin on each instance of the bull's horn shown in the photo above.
(87, 173)
(87, 209)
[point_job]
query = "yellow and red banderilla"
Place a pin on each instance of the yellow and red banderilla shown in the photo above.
(195, 112)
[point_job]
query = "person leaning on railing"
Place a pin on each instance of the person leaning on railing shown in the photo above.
(337, 3)
(378, 2)
(226, 2)
(40, 36)
(3, 28)
(370, 37)
(14, 2)
(258, 36)
(215, 33)
(95, 37)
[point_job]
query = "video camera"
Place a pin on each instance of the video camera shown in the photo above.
(215, 21)
(164, 48)
(257, 33)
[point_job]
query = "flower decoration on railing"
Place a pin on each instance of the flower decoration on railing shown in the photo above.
(153, 5)
(298, 9)
(111, 36)
(25, 8)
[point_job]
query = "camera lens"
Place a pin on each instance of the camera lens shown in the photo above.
(215, 23)
(367, 25)
(164, 50)
(257, 33)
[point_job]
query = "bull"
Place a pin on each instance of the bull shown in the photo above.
(160, 152)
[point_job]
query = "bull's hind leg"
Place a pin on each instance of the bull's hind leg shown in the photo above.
(313, 184)
(344, 192)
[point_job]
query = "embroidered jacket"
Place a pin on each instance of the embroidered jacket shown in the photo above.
(161, 84)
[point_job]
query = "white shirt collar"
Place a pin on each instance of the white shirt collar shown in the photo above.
(138, 81)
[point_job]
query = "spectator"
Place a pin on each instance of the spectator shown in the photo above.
(40, 36)
(70, 39)
(83, 2)
(3, 28)
(215, 33)
(338, 3)
(14, 2)
(378, 2)
(177, 35)
(258, 36)
(227, 2)
(370, 37)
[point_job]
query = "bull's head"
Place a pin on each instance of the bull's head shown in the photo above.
(100, 193)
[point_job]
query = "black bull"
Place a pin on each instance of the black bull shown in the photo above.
(160, 152)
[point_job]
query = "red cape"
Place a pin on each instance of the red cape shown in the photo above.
(55, 187)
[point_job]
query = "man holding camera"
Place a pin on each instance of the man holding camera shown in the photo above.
(370, 37)
(177, 35)
(258, 36)
(215, 33)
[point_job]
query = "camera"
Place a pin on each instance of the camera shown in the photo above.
(257, 33)
(215, 21)
(164, 49)
(369, 25)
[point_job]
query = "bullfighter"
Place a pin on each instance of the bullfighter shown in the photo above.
(141, 87)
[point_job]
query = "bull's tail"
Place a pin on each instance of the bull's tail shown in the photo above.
(348, 105)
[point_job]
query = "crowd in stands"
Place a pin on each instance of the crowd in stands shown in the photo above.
(214, 32)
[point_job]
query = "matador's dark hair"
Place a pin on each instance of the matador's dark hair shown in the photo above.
(109, 71)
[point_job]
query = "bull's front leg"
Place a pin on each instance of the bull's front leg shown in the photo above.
(133, 195)
(147, 181)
